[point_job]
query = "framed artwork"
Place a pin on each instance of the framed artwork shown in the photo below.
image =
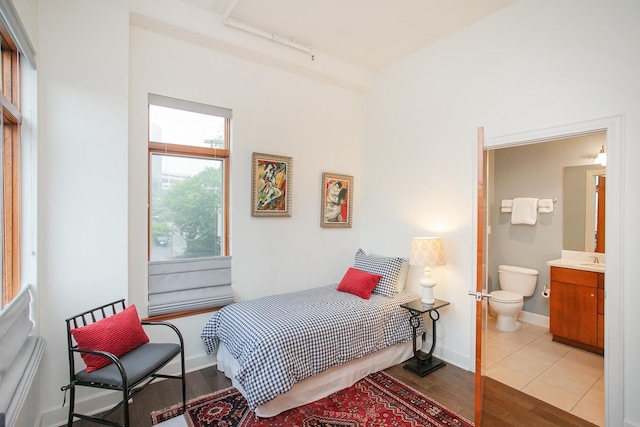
(271, 185)
(336, 209)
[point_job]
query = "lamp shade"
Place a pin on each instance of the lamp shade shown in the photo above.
(601, 158)
(427, 251)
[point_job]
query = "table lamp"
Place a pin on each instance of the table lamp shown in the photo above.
(427, 252)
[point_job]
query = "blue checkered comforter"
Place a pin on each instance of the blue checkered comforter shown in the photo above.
(282, 339)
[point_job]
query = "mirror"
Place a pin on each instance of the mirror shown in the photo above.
(583, 190)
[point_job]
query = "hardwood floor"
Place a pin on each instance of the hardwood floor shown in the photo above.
(450, 386)
(506, 406)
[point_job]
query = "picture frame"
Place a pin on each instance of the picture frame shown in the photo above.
(272, 176)
(336, 207)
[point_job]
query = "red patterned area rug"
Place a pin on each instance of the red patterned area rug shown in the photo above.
(377, 400)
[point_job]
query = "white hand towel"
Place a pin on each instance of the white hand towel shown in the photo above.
(545, 205)
(506, 205)
(525, 211)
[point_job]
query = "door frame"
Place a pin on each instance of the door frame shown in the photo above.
(481, 304)
(590, 216)
(614, 308)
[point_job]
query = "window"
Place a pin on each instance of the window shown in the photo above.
(14, 47)
(188, 206)
(10, 123)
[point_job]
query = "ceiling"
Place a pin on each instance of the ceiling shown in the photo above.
(366, 33)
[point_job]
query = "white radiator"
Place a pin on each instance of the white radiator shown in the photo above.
(20, 355)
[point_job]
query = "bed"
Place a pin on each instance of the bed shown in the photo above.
(283, 351)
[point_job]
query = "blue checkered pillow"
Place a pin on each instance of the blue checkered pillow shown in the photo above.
(387, 267)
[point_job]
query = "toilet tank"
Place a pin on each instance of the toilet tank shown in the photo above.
(519, 280)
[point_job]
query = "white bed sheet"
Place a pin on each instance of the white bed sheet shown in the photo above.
(323, 384)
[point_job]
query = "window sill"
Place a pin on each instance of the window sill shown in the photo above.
(180, 314)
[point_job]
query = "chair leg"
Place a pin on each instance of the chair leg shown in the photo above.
(184, 384)
(72, 405)
(125, 406)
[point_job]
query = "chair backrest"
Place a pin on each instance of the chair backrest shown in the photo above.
(86, 318)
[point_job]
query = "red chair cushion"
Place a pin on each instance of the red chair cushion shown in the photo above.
(117, 334)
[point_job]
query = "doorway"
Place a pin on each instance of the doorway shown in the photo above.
(528, 360)
(612, 129)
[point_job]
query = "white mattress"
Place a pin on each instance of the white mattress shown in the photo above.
(323, 384)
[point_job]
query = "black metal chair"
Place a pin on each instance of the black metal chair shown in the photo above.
(129, 374)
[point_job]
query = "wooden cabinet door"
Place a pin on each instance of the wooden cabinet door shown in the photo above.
(573, 310)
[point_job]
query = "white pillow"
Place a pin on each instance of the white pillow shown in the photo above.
(404, 272)
(402, 277)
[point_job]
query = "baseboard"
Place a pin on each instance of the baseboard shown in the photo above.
(442, 352)
(536, 319)
(101, 401)
(454, 358)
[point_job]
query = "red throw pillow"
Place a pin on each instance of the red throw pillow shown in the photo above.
(117, 334)
(358, 282)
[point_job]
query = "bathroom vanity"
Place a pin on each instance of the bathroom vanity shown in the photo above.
(576, 316)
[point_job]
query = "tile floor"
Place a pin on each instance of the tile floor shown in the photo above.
(563, 376)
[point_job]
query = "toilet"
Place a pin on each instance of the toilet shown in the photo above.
(506, 303)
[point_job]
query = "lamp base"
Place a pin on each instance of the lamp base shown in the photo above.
(428, 299)
(427, 284)
(423, 367)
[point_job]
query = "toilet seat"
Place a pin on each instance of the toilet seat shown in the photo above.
(506, 297)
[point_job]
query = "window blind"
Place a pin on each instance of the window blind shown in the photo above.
(194, 107)
(191, 284)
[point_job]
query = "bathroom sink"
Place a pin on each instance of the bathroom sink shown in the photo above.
(579, 261)
(597, 265)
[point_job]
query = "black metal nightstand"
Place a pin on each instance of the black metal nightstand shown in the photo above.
(423, 363)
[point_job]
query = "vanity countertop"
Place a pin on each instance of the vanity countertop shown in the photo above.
(580, 261)
(577, 264)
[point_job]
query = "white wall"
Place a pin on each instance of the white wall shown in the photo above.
(94, 76)
(274, 112)
(83, 179)
(534, 65)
